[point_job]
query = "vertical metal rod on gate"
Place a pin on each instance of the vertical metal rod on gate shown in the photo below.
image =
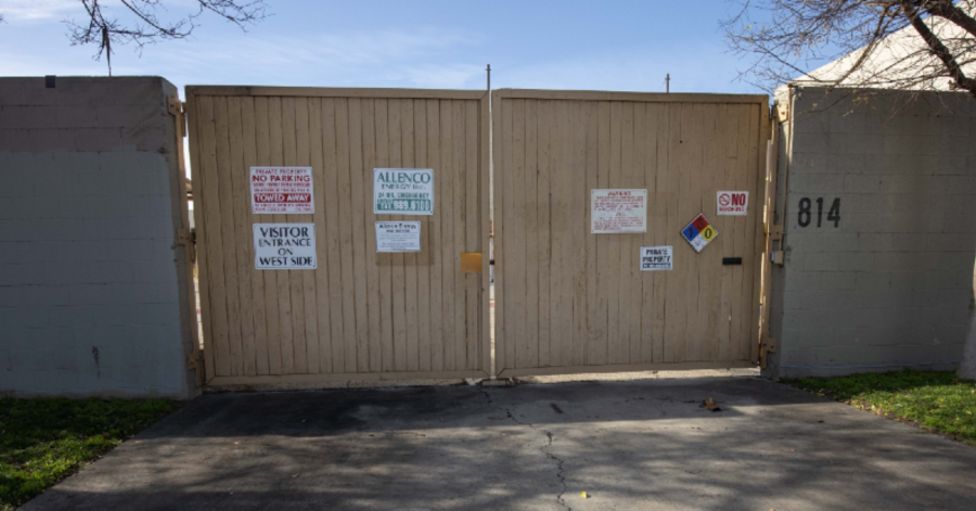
(491, 226)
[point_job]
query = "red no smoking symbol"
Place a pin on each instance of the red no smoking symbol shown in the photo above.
(725, 199)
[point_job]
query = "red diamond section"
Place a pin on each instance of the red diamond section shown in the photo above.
(700, 222)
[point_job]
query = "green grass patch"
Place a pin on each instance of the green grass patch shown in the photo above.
(44, 440)
(935, 400)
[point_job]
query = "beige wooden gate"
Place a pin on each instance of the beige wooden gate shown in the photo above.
(360, 314)
(568, 300)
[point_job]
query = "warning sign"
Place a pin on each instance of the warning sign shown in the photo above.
(403, 191)
(656, 258)
(732, 203)
(615, 211)
(699, 232)
(394, 237)
(281, 190)
(284, 247)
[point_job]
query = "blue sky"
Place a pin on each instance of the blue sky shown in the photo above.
(612, 45)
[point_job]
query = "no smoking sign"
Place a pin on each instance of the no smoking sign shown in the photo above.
(732, 203)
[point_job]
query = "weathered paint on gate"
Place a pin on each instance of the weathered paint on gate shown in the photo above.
(360, 314)
(568, 300)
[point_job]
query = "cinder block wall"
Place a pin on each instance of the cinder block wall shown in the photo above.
(890, 286)
(91, 301)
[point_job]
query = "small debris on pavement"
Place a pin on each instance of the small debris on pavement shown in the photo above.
(584, 495)
(710, 405)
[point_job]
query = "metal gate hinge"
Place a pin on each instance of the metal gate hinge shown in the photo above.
(174, 105)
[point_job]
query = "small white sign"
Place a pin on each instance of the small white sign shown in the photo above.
(284, 247)
(281, 191)
(395, 237)
(614, 211)
(403, 191)
(732, 203)
(657, 258)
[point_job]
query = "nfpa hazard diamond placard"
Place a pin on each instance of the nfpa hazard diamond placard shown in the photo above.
(699, 233)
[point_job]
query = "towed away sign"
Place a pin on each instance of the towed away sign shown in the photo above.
(281, 190)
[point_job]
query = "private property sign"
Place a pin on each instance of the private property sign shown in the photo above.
(657, 258)
(403, 191)
(614, 211)
(281, 190)
(284, 247)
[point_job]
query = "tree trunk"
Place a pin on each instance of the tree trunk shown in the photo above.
(967, 368)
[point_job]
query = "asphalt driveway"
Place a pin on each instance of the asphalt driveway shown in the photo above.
(629, 445)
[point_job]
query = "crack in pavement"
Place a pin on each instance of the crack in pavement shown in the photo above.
(546, 449)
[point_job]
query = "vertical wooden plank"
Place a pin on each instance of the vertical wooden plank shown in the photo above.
(373, 335)
(662, 230)
(385, 261)
(595, 321)
(323, 337)
(228, 238)
(293, 278)
(346, 235)
(407, 146)
(243, 255)
(257, 298)
(518, 307)
(422, 260)
(303, 157)
(630, 177)
(458, 189)
(561, 284)
(579, 202)
(615, 337)
(199, 116)
(543, 201)
(449, 254)
(434, 239)
(357, 176)
(263, 144)
(334, 238)
(472, 232)
(282, 295)
(397, 269)
(525, 190)
(644, 139)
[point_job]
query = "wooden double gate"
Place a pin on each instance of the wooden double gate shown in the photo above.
(566, 299)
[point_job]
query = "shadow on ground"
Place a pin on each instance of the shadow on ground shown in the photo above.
(630, 445)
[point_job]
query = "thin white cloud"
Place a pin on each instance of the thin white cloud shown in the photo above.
(37, 10)
(437, 76)
(418, 58)
(346, 48)
(708, 70)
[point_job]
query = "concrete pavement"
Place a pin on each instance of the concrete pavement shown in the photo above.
(628, 444)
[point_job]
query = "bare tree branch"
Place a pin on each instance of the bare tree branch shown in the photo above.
(938, 47)
(140, 22)
(857, 43)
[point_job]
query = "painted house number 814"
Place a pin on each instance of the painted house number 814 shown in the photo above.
(805, 213)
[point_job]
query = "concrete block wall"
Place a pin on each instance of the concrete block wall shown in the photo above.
(92, 281)
(891, 285)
